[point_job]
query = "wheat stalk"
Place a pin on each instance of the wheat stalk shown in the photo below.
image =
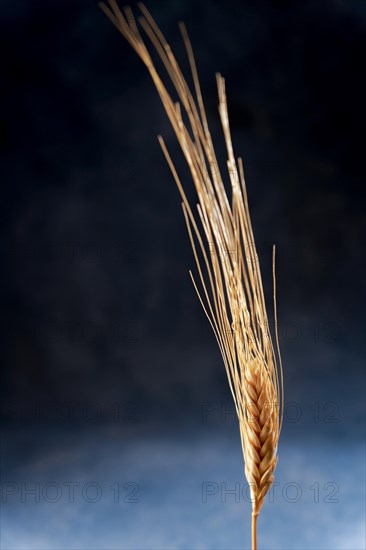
(231, 290)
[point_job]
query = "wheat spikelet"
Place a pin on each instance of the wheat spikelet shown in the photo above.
(231, 290)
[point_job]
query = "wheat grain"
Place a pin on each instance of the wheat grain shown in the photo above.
(231, 290)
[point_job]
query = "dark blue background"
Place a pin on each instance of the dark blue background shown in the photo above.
(111, 373)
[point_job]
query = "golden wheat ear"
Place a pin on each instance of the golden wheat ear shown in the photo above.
(230, 285)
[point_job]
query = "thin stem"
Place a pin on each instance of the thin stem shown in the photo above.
(254, 531)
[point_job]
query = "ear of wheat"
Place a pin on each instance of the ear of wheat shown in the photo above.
(230, 286)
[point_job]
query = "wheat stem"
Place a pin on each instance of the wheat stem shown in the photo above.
(254, 531)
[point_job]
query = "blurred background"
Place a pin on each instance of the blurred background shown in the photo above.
(117, 425)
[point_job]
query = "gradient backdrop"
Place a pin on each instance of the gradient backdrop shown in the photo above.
(118, 429)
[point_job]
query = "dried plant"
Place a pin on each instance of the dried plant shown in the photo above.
(230, 286)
